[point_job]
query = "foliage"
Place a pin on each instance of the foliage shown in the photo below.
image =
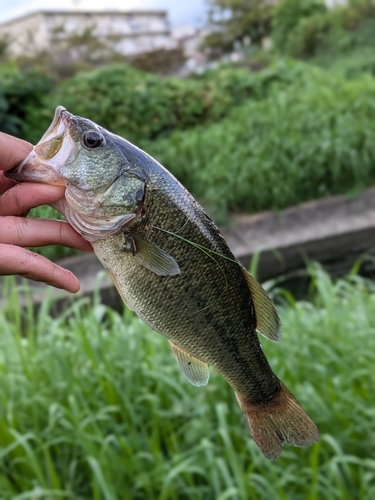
(311, 139)
(8, 124)
(308, 29)
(22, 97)
(231, 22)
(93, 405)
(4, 44)
(287, 16)
(356, 12)
(356, 63)
(308, 134)
(137, 105)
(143, 106)
(313, 35)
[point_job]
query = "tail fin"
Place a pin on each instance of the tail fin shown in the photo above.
(281, 420)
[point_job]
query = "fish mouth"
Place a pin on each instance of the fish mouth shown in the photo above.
(52, 151)
(59, 123)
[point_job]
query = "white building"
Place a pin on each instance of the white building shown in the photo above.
(129, 33)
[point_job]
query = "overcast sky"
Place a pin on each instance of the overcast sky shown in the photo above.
(180, 11)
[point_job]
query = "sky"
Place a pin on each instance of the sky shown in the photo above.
(180, 11)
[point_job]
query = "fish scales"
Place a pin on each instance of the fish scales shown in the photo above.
(172, 267)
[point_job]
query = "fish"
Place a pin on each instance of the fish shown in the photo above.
(172, 267)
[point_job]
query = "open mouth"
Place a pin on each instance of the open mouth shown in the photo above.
(41, 165)
(59, 123)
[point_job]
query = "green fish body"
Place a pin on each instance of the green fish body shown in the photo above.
(172, 267)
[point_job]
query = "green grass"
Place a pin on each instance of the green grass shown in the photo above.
(93, 406)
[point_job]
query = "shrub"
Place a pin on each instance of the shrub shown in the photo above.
(312, 35)
(143, 106)
(22, 98)
(357, 13)
(287, 17)
(314, 138)
(138, 105)
(307, 28)
(8, 124)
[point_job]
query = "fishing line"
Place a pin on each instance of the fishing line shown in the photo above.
(197, 245)
(178, 230)
(205, 251)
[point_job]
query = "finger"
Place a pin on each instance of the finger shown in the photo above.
(16, 260)
(22, 197)
(12, 151)
(5, 183)
(40, 232)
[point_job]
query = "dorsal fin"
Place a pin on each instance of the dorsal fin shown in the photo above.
(196, 371)
(268, 321)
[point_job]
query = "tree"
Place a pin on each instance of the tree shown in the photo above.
(4, 44)
(290, 16)
(232, 22)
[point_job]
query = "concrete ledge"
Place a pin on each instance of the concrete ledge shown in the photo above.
(325, 230)
(331, 231)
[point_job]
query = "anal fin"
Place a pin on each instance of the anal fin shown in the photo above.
(196, 371)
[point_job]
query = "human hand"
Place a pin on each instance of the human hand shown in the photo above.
(16, 231)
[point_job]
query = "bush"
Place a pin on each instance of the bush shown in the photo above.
(287, 17)
(309, 134)
(311, 36)
(133, 103)
(353, 65)
(22, 97)
(365, 36)
(307, 29)
(314, 138)
(8, 124)
(143, 106)
(357, 13)
(140, 106)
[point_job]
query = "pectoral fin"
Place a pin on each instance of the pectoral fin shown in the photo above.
(267, 320)
(151, 256)
(196, 371)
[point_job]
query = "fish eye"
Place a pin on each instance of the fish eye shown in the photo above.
(92, 139)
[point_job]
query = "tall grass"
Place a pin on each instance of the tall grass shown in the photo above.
(93, 406)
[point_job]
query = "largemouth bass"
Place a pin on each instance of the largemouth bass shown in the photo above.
(172, 267)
